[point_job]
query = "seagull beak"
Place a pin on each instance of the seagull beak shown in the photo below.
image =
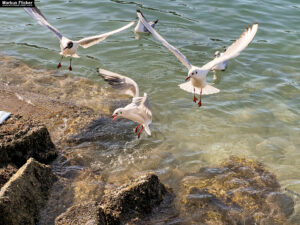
(114, 117)
(187, 78)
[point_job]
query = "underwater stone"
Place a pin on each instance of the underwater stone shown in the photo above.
(239, 191)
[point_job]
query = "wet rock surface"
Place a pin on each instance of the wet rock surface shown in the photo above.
(6, 173)
(126, 204)
(22, 138)
(25, 193)
(239, 191)
(87, 213)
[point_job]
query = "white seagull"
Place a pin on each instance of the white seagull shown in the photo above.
(140, 28)
(139, 109)
(69, 47)
(197, 75)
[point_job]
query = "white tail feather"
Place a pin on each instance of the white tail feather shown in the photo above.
(207, 90)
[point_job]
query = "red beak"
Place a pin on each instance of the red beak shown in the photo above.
(187, 78)
(114, 117)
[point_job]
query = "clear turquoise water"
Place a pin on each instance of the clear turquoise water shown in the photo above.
(256, 114)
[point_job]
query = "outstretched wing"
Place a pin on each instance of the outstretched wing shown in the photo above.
(235, 48)
(123, 84)
(175, 51)
(90, 41)
(36, 14)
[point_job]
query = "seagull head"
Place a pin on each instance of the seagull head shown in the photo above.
(217, 54)
(117, 112)
(69, 45)
(193, 72)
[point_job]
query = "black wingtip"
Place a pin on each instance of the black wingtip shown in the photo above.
(156, 21)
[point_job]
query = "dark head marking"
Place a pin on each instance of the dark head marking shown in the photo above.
(70, 45)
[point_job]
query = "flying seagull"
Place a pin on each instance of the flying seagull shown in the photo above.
(140, 28)
(139, 109)
(197, 75)
(69, 47)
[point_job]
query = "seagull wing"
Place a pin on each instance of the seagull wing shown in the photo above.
(122, 83)
(175, 51)
(143, 105)
(235, 48)
(90, 41)
(36, 14)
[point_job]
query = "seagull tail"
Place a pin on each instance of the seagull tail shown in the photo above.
(147, 129)
(207, 90)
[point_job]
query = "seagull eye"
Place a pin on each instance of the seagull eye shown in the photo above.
(120, 112)
(196, 72)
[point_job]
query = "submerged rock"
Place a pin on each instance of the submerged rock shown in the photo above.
(21, 139)
(25, 193)
(129, 202)
(239, 191)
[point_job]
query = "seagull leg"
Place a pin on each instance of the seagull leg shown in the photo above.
(195, 99)
(139, 134)
(200, 102)
(137, 127)
(59, 64)
(70, 67)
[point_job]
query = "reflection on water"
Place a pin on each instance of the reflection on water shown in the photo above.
(255, 115)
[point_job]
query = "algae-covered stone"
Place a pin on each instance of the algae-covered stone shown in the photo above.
(21, 139)
(25, 193)
(239, 191)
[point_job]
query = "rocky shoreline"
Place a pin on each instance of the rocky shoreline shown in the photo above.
(43, 126)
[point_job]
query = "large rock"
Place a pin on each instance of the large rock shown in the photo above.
(87, 213)
(21, 139)
(129, 202)
(239, 191)
(25, 194)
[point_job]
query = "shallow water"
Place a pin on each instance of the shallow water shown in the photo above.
(256, 114)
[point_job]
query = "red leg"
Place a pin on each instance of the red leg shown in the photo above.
(59, 64)
(137, 127)
(200, 102)
(195, 99)
(139, 134)
(70, 67)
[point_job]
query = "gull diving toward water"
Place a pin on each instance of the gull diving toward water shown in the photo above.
(69, 47)
(197, 75)
(140, 28)
(139, 109)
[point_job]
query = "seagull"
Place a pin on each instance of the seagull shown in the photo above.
(196, 79)
(140, 28)
(221, 66)
(69, 47)
(139, 109)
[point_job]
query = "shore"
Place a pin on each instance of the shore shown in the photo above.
(75, 111)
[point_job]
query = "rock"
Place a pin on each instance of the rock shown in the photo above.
(25, 194)
(87, 214)
(6, 173)
(21, 139)
(239, 191)
(129, 202)
(133, 200)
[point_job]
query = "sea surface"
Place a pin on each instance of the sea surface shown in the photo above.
(256, 114)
